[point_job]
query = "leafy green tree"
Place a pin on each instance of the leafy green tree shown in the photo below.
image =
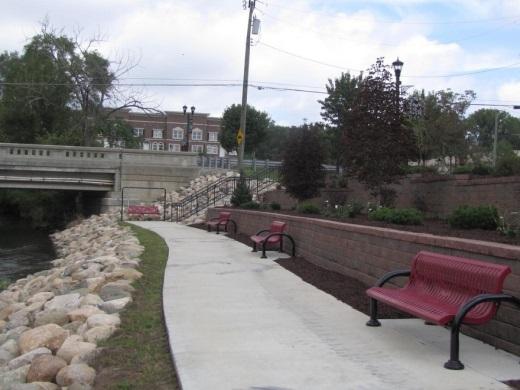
(336, 110)
(257, 123)
(118, 133)
(274, 142)
(302, 173)
(57, 90)
(379, 141)
(439, 126)
(481, 128)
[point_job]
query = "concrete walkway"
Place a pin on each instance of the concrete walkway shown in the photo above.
(239, 322)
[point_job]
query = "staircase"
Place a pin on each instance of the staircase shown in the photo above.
(219, 193)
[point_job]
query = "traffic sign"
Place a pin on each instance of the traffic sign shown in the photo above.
(240, 136)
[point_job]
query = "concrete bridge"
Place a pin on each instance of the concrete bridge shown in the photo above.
(99, 170)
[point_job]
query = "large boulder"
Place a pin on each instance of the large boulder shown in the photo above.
(74, 346)
(103, 320)
(35, 386)
(76, 373)
(51, 316)
(111, 291)
(10, 378)
(49, 336)
(115, 305)
(40, 297)
(67, 302)
(99, 333)
(44, 368)
(28, 357)
(83, 313)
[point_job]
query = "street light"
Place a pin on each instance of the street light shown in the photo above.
(185, 147)
(398, 66)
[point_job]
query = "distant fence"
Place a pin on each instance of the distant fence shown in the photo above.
(232, 163)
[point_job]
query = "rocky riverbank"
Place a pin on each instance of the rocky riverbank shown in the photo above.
(51, 321)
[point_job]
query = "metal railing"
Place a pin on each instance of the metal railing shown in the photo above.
(209, 162)
(222, 188)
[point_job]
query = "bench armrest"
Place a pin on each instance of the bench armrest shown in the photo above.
(481, 298)
(262, 231)
(390, 275)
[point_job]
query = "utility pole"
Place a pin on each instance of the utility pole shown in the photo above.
(242, 131)
(495, 140)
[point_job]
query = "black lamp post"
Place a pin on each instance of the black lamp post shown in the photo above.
(185, 147)
(398, 66)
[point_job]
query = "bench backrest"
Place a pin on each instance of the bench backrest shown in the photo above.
(454, 279)
(134, 209)
(224, 216)
(277, 227)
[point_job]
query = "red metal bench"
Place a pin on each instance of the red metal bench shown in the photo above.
(445, 290)
(143, 210)
(275, 235)
(223, 219)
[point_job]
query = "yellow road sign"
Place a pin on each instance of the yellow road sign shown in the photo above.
(240, 136)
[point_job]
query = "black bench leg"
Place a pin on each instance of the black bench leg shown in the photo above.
(281, 245)
(254, 246)
(373, 321)
(454, 363)
(209, 228)
(218, 229)
(263, 251)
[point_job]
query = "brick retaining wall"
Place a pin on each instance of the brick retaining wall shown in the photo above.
(434, 194)
(366, 253)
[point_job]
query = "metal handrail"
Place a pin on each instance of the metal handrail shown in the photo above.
(209, 195)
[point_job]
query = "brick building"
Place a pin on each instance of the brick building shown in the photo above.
(167, 131)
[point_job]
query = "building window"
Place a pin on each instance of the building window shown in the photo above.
(146, 146)
(196, 135)
(138, 132)
(197, 148)
(213, 136)
(177, 133)
(157, 146)
(212, 149)
(157, 133)
(174, 147)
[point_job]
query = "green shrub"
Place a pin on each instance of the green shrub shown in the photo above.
(250, 205)
(411, 169)
(241, 194)
(308, 208)
(4, 283)
(275, 206)
(471, 217)
(354, 209)
(481, 169)
(508, 166)
(397, 216)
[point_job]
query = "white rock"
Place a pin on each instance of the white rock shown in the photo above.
(115, 305)
(27, 358)
(99, 333)
(74, 346)
(103, 319)
(76, 373)
(41, 296)
(91, 299)
(67, 302)
(83, 313)
(50, 336)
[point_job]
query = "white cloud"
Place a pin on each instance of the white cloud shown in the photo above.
(201, 40)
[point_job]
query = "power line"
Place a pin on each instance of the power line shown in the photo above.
(459, 74)
(388, 21)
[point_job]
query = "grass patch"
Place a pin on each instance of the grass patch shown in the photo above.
(138, 355)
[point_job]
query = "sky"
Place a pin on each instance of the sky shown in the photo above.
(456, 44)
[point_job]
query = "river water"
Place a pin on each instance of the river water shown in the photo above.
(23, 250)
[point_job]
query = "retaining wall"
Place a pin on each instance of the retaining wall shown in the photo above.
(366, 253)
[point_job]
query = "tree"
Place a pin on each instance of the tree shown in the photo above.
(257, 123)
(272, 147)
(481, 128)
(58, 90)
(336, 110)
(439, 124)
(302, 172)
(118, 133)
(379, 141)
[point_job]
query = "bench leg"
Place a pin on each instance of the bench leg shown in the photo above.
(454, 363)
(209, 228)
(263, 250)
(218, 229)
(281, 245)
(373, 321)
(254, 247)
